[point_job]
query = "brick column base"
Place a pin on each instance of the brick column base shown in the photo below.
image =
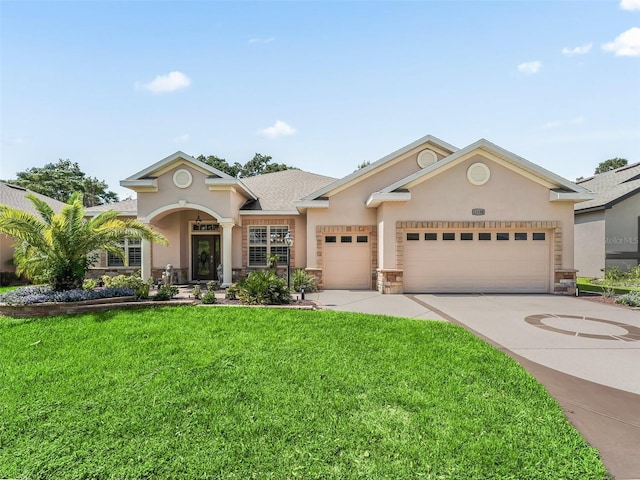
(390, 281)
(564, 282)
(317, 273)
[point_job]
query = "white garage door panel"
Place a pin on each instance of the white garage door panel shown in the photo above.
(476, 266)
(347, 266)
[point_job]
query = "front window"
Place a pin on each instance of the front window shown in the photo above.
(133, 254)
(265, 241)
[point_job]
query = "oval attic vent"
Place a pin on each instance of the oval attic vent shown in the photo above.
(478, 174)
(426, 158)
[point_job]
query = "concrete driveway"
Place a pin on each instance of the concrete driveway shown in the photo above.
(587, 354)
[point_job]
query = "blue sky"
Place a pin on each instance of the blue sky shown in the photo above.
(322, 86)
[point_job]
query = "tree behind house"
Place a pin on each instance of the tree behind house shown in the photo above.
(60, 180)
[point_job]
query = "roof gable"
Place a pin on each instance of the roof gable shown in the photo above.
(174, 160)
(387, 161)
(497, 154)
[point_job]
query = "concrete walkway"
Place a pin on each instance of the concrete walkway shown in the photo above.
(587, 354)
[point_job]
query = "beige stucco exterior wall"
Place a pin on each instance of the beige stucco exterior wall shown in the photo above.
(449, 196)
(589, 234)
(224, 202)
(348, 207)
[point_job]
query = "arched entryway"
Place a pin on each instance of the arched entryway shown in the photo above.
(200, 243)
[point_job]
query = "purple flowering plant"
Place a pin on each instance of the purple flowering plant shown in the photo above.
(44, 294)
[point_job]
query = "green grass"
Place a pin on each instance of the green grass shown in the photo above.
(239, 393)
(7, 289)
(585, 284)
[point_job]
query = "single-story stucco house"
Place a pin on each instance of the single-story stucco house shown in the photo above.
(607, 227)
(428, 217)
(16, 197)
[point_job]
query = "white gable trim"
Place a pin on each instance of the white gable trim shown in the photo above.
(441, 147)
(497, 154)
(167, 163)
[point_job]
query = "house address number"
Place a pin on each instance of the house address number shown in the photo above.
(478, 211)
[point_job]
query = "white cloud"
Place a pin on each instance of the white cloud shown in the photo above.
(278, 129)
(630, 4)
(166, 83)
(262, 40)
(582, 50)
(530, 68)
(185, 137)
(627, 44)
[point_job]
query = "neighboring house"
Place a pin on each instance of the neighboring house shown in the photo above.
(16, 197)
(607, 227)
(426, 218)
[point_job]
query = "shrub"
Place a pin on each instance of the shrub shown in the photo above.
(133, 282)
(629, 299)
(231, 293)
(197, 292)
(209, 297)
(212, 285)
(614, 274)
(302, 279)
(89, 284)
(263, 288)
(45, 294)
(166, 292)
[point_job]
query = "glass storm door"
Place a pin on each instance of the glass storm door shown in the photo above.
(205, 257)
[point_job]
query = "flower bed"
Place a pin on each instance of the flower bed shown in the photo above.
(39, 301)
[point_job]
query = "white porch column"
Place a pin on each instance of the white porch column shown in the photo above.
(227, 267)
(146, 259)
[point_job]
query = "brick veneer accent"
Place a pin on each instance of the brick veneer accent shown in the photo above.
(264, 222)
(322, 230)
(564, 280)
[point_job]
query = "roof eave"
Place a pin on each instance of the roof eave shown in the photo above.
(555, 196)
(378, 198)
(369, 168)
(141, 185)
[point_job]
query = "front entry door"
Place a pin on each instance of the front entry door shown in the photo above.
(205, 257)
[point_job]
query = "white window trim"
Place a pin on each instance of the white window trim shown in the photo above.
(281, 261)
(126, 247)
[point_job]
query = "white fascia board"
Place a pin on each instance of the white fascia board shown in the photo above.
(269, 212)
(230, 182)
(570, 196)
(483, 144)
(532, 167)
(369, 168)
(375, 199)
(146, 184)
(171, 158)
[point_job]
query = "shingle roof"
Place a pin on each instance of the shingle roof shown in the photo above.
(16, 197)
(124, 207)
(611, 187)
(278, 191)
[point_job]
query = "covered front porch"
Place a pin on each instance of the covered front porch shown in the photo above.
(200, 245)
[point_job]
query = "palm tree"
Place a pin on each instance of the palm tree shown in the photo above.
(58, 248)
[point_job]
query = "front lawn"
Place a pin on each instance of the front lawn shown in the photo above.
(240, 393)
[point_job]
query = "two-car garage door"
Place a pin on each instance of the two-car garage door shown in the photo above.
(476, 261)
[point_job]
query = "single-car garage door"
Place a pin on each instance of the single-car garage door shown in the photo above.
(347, 262)
(477, 261)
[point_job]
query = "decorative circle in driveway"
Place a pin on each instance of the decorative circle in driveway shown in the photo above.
(586, 327)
